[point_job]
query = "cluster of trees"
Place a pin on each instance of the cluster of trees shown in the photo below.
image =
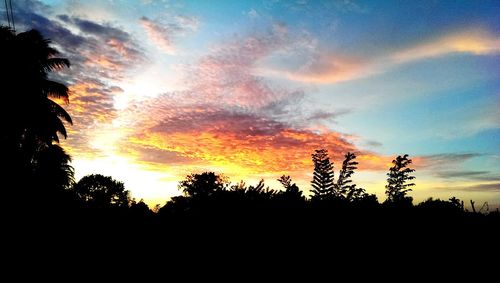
(39, 171)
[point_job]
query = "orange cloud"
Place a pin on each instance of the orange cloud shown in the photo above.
(244, 143)
(91, 107)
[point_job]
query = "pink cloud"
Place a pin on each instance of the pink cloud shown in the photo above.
(159, 35)
(331, 69)
(163, 34)
(230, 117)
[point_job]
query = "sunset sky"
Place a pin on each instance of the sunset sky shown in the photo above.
(161, 89)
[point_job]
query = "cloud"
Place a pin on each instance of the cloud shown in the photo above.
(321, 115)
(253, 14)
(372, 143)
(230, 118)
(484, 187)
(103, 31)
(152, 156)
(101, 56)
(226, 75)
(159, 35)
(240, 140)
(448, 158)
(483, 117)
(473, 41)
(451, 167)
(163, 34)
(444, 162)
(329, 67)
(461, 174)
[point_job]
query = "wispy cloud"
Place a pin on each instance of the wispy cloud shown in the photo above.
(461, 174)
(447, 158)
(473, 41)
(163, 34)
(329, 67)
(452, 167)
(492, 187)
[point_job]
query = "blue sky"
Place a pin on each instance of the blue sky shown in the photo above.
(250, 88)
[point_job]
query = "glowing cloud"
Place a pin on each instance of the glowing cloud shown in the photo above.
(327, 68)
(474, 41)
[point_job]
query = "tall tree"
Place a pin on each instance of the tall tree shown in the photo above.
(323, 177)
(100, 191)
(344, 182)
(31, 120)
(398, 182)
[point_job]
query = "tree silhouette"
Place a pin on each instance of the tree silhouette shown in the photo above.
(323, 176)
(52, 168)
(344, 187)
(290, 189)
(259, 192)
(397, 184)
(32, 121)
(204, 184)
(99, 191)
(292, 196)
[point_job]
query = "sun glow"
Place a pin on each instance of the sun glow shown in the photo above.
(153, 186)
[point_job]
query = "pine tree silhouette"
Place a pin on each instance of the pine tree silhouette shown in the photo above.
(397, 184)
(323, 176)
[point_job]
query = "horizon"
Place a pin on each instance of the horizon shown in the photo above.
(163, 89)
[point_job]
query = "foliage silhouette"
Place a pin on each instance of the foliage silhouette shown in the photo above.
(323, 176)
(32, 121)
(52, 168)
(98, 191)
(344, 179)
(397, 184)
(345, 186)
(292, 191)
(203, 185)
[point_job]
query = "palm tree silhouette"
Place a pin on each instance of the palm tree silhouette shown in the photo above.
(52, 169)
(31, 120)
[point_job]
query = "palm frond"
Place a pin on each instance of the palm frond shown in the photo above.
(60, 112)
(55, 90)
(59, 128)
(54, 64)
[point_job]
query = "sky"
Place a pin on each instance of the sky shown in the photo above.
(163, 89)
